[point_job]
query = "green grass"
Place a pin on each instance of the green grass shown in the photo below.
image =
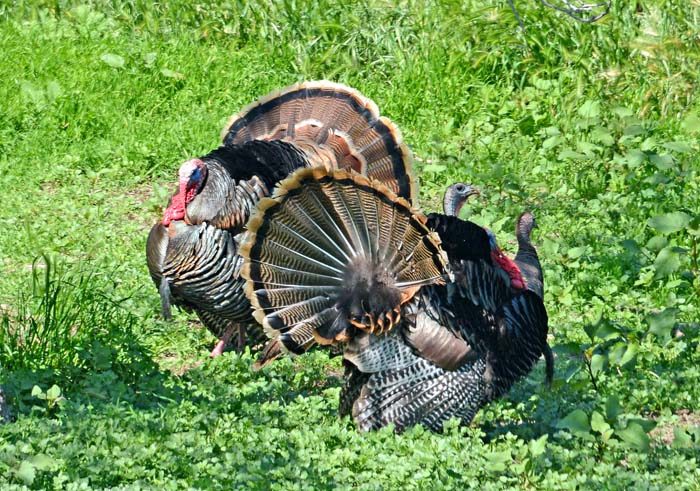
(594, 127)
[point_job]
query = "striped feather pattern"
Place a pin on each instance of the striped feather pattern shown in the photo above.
(469, 341)
(370, 353)
(391, 383)
(202, 271)
(330, 241)
(238, 177)
(336, 126)
(403, 386)
(420, 393)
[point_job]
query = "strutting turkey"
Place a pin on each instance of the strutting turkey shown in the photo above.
(428, 325)
(192, 253)
(525, 269)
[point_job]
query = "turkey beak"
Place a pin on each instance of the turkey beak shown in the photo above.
(473, 191)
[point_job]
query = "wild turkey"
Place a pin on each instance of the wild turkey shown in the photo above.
(526, 260)
(192, 253)
(429, 327)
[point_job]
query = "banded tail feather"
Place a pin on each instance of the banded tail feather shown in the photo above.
(336, 126)
(400, 386)
(332, 254)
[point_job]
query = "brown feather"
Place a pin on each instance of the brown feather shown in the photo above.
(337, 128)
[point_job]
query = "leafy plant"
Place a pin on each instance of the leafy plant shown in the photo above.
(52, 397)
(608, 426)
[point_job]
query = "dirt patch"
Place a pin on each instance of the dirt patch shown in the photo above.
(141, 193)
(170, 360)
(181, 370)
(139, 198)
(683, 418)
(50, 187)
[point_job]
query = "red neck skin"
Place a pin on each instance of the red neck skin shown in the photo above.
(507, 265)
(176, 210)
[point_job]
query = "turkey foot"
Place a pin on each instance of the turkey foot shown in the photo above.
(219, 348)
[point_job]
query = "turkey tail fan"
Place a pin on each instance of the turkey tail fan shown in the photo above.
(336, 126)
(333, 252)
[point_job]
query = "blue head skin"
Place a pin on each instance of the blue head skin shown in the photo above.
(455, 196)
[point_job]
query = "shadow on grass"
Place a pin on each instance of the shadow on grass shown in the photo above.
(532, 409)
(122, 372)
(67, 328)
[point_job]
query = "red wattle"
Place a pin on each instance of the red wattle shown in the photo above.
(176, 210)
(509, 266)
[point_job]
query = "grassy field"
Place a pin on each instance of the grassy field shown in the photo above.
(595, 127)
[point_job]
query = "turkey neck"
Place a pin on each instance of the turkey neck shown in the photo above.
(524, 243)
(450, 204)
(527, 254)
(529, 262)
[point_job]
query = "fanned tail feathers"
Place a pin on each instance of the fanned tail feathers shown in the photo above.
(334, 252)
(336, 127)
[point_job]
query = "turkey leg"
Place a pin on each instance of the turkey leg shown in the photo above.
(219, 348)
